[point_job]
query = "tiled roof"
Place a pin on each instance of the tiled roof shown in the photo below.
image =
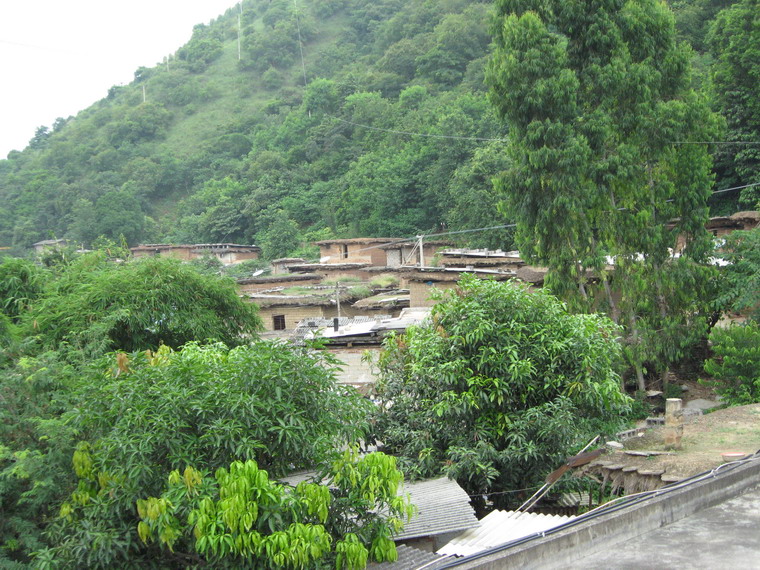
(411, 559)
(500, 527)
(442, 505)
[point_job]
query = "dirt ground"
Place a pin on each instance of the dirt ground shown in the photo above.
(704, 439)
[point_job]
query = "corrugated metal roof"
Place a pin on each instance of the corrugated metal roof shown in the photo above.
(442, 506)
(500, 527)
(411, 559)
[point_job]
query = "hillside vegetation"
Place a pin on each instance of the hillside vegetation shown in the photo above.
(228, 149)
(301, 131)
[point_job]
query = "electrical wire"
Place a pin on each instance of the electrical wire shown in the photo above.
(715, 142)
(737, 188)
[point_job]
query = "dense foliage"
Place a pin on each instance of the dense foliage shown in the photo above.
(734, 41)
(499, 388)
(241, 150)
(598, 100)
(735, 365)
(202, 406)
(106, 305)
(242, 518)
(740, 285)
(384, 128)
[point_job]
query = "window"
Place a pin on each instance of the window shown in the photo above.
(344, 251)
(278, 322)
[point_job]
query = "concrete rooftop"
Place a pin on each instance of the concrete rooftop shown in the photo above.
(724, 536)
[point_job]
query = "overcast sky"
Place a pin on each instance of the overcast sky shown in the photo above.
(58, 57)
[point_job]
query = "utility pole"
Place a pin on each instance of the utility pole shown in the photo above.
(422, 253)
(144, 98)
(337, 297)
(240, 19)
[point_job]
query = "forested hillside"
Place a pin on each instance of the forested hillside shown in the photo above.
(281, 123)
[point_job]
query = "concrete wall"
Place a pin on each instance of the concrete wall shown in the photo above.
(602, 533)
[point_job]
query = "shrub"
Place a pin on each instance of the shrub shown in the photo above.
(735, 366)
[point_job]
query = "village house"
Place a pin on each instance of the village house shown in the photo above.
(276, 283)
(48, 244)
(354, 250)
(453, 263)
(282, 265)
(226, 253)
(352, 339)
(283, 308)
(721, 226)
(409, 253)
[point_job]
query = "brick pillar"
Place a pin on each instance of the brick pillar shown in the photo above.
(673, 429)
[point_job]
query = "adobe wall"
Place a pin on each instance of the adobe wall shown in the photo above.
(419, 291)
(355, 371)
(294, 314)
(265, 285)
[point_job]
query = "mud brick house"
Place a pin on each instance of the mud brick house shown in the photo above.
(407, 253)
(49, 244)
(226, 253)
(721, 226)
(421, 282)
(282, 265)
(484, 264)
(273, 283)
(354, 250)
(282, 309)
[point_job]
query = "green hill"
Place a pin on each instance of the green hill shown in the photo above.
(345, 118)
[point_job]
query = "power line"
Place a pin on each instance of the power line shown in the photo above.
(737, 188)
(715, 142)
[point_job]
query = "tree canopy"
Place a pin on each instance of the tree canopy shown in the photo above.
(140, 416)
(734, 41)
(603, 171)
(138, 305)
(499, 388)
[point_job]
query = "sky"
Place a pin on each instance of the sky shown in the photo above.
(58, 57)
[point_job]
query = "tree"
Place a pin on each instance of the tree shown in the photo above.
(281, 236)
(21, 284)
(740, 285)
(136, 305)
(735, 365)
(142, 416)
(734, 40)
(243, 518)
(597, 99)
(499, 388)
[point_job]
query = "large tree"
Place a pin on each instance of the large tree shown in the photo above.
(141, 416)
(734, 40)
(597, 98)
(140, 304)
(498, 388)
